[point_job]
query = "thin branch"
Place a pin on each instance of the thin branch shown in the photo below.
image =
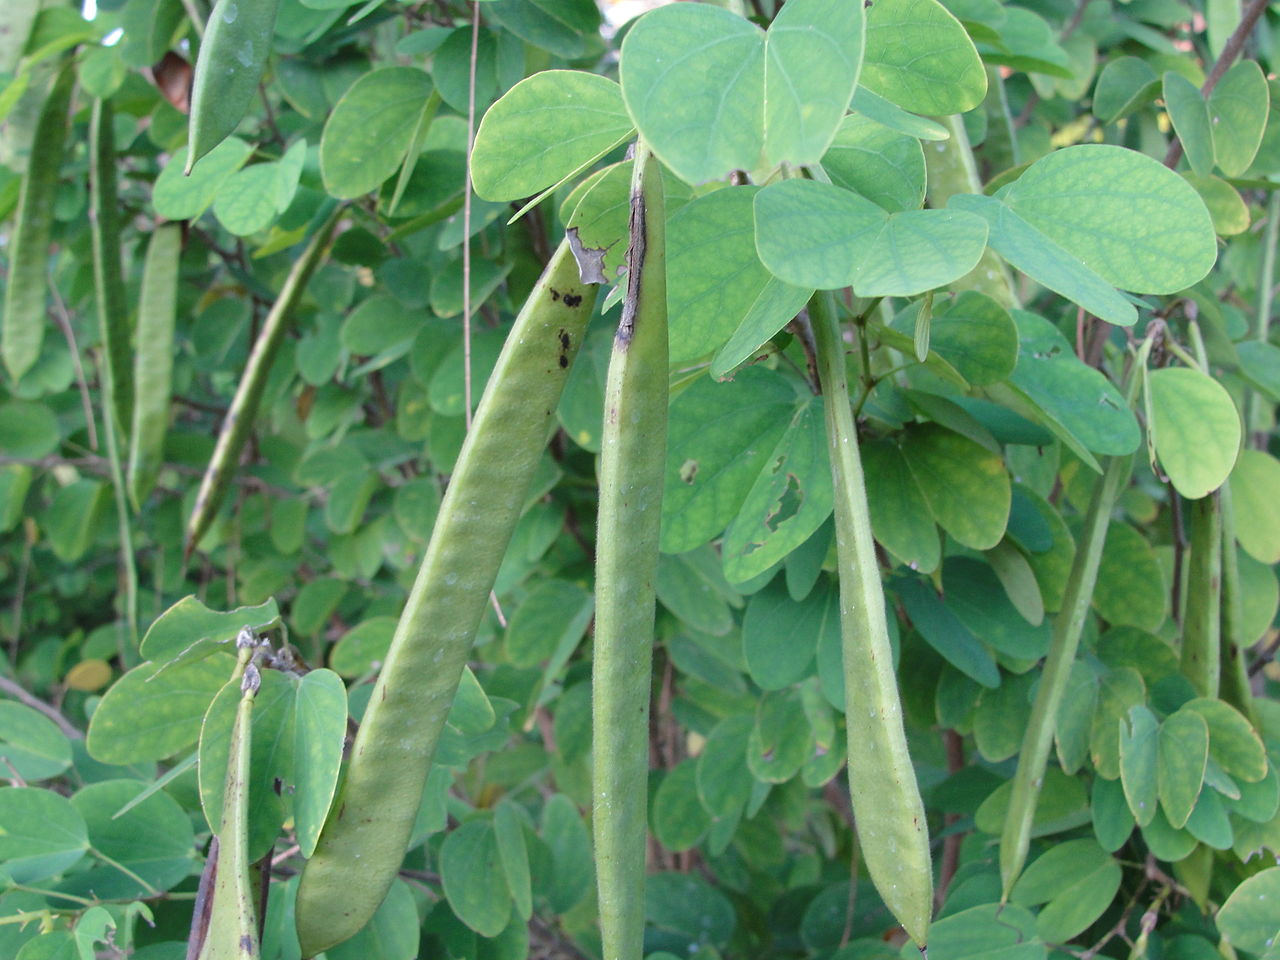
(102, 467)
(63, 320)
(466, 216)
(1230, 51)
(13, 689)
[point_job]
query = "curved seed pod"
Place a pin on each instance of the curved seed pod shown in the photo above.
(153, 362)
(1016, 839)
(244, 406)
(26, 286)
(1202, 625)
(232, 931)
(1234, 675)
(108, 282)
(632, 464)
(887, 808)
(233, 54)
(372, 816)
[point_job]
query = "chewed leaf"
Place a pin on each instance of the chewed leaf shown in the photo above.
(189, 630)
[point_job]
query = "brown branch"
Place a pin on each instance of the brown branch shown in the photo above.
(13, 689)
(102, 466)
(1230, 51)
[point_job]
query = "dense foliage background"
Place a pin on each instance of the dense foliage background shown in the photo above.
(988, 406)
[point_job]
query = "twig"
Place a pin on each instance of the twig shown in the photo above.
(13, 689)
(63, 320)
(100, 465)
(28, 540)
(1231, 50)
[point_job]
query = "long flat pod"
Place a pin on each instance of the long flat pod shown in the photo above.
(228, 70)
(372, 817)
(244, 406)
(153, 360)
(1202, 625)
(887, 808)
(26, 286)
(632, 464)
(1016, 838)
(108, 280)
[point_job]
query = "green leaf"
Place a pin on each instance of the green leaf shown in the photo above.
(699, 128)
(716, 284)
(31, 744)
(813, 53)
(1120, 690)
(178, 197)
(189, 627)
(679, 819)
(1232, 742)
(1248, 918)
(780, 636)
(920, 58)
(1063, 805)
(724, 782)
(974, 593)
(252, 198)
(946, 633)
(877, 108)
(788, 501)
(1260, 365)
(1238, 109)
(514, 856)
(990, 931)
(1076, 881)
(1044, 261)
(1127, 217)
(1209, 822)
(363, 646)
(881, 164)
(319, 731)
(546, 23)
(1112, 818)
(153, 840)
(141, 718)
(1138, 765)
(966, 485)
(1190, 116)
(43, 835)
(72, 519)
(779, 741)
(1226, 207)
(692, 587)
(555, 612)
(271, 758)
(1000, 719)
(543, 129)
(900, 515)
(1195, 429)
(1027, 42)
(474, 882)
(1255, 489)
(1124, 85)
(1075, 719)
(567, 838)
(817, 235)
(371, 127)
(687, 905)
(28, 430)
(976, 335)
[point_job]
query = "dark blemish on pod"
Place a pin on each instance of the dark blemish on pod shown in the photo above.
(564, 361)
(572, 299)
(555, 294)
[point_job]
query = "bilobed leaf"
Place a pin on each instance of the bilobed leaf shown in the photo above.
(946, 634)
(141, 718)
(813, 54)
(371, 127)
(900, 515)
(881, 164)
(1190, 116)
(1195, 428)
(920, 58)
(178, 197)
(1076, 881)
(1127, 217)
(818, 235)
(1248, 918)
(1045, 261)
(474, 882)
(987, 931)
(319, 729)
(976, 335)
(788, 501)
(720, 436)
(716, 283)
(43, 833)
(1238, 108)
(1233, 743)
(698, 127)
(543, 129)
(1138, 734)
(31, 743)
(1124, 84)
(189, 626)
(1255, 489)
(966, 486)
(974, 593)
(1121, 690)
